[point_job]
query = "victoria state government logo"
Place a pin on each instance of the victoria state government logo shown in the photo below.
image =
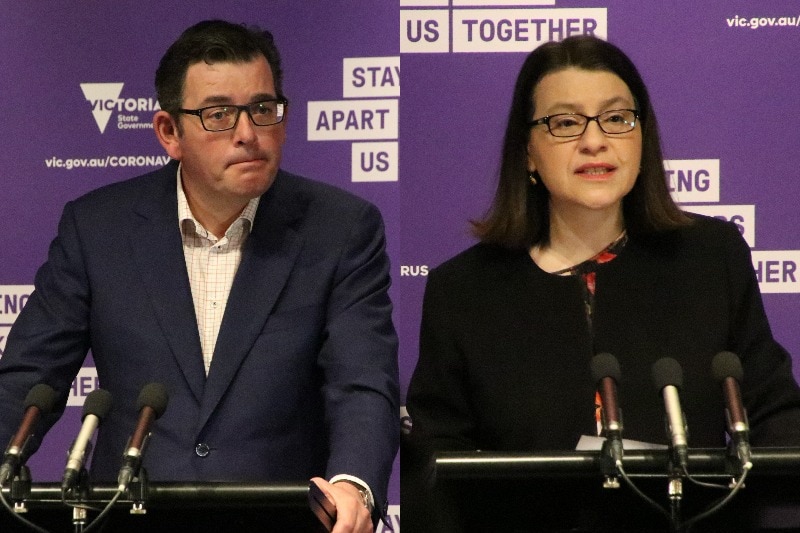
(105, 99)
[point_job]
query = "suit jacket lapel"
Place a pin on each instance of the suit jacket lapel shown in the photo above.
(157, 253)
(267, 261)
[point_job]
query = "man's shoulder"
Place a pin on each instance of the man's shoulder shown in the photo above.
(122, 192)
(320, 204)
(319, 192)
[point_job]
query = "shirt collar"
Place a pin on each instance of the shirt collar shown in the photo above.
(185, 215)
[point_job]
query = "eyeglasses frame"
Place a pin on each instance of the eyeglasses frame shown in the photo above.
(546, 120)
(245, 107)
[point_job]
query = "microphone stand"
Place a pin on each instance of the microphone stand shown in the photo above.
(138, 490)
(735, 462)
(19, 492)
(675, 492)
(608, 466)
(21, 489)
(79, 493)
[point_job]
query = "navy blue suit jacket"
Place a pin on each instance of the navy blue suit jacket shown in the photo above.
(304, 376)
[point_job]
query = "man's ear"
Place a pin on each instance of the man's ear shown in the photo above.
(166, 129)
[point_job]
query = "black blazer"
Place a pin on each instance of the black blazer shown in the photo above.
(505, 348)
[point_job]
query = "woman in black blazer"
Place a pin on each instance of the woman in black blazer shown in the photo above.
(583, 251)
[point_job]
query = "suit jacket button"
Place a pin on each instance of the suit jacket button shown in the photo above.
(202, 450)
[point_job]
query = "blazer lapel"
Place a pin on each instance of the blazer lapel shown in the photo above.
(268, 257)
(157, 253)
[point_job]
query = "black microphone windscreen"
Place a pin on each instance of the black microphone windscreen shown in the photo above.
(605, 365)
(97, 403)
(41, 396)
(667, 371)
(725, 365)
(153, 395)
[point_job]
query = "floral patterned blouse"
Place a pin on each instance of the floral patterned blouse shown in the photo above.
(587, 272)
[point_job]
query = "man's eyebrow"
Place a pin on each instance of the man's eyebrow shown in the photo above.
(222, 100)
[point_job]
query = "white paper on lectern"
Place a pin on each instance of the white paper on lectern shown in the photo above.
(589, 443)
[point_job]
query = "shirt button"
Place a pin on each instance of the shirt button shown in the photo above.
(202, 450)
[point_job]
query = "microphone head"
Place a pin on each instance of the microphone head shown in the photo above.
(97, 403)
(667, 371)
(605, 365)
(727, 365)
(41, 396)
(154, 396)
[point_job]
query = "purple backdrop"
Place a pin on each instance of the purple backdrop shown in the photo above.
(723, 76)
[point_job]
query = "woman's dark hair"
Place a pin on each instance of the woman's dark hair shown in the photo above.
(519, 215)
(212, 41)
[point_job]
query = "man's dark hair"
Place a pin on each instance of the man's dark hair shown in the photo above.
(519, 216)
(212, 41)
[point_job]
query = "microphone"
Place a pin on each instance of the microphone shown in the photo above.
(606, 374)
(668, 379)
(727, 369)
(95, 408)
(39, 401)
(151, 405)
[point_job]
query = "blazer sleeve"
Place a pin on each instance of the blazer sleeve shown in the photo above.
(439, 405)
(50, 338)
(769, 390)
(438, 396)
(359, 361)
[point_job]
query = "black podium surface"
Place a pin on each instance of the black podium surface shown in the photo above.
(564, 491)
(175, 508)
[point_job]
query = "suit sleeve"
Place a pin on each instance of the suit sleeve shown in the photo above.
(50, 338)
(359, 361)
(769, 390)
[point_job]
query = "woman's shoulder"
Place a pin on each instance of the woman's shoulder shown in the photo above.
(704, 233)
(707, 226)
(480, 276)
(478, 258)
(481, 267)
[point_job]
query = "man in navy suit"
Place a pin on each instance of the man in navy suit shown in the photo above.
(258, 298)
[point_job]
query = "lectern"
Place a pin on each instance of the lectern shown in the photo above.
(175, 508)
(570, 491)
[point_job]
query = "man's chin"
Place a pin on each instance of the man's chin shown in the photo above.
(254, 184)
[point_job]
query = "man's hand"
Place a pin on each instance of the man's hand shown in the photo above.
(351, 514)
